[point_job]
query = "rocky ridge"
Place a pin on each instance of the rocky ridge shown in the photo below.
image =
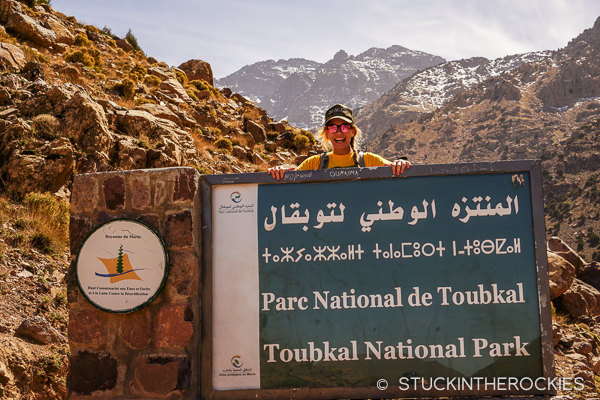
(300, 91)
(431, 88)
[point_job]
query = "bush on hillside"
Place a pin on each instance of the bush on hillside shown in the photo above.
(224, 144)
(126, 88)
(80, 56)
(81, 40)
(46, 126)
(132, 40)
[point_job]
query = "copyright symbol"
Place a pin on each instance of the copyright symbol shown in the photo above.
(382, 384)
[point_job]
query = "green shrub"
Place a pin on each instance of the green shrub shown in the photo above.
(132, 40)
(200, 84)
(301, 142)
(181, 77)
(126, 88)
(152, 80)
(80, 56)
(309, 135)
(107, 31)
(81, 40)
(224, 144)
(140, 70)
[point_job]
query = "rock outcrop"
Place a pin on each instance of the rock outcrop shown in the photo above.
(198, 70)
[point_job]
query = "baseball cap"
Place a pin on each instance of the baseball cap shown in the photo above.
(339, 111)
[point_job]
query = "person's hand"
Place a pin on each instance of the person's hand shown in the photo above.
(398, 166)
(278, 171)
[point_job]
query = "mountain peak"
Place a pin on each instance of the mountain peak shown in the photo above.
(590, 36)
(341, 56)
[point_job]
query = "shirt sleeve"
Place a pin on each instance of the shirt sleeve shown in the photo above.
(373, 160)
(310, 163)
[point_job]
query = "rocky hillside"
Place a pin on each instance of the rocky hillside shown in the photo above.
(548, 109)
(430, 89)
(76, 99)
(300, 91)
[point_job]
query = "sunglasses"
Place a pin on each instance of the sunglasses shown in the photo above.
(345, 128)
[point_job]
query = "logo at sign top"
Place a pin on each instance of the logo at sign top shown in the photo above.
(236, 197)
(236, 361)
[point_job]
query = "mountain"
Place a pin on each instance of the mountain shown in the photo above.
(433, 87)
(547, 109)
(300, 90)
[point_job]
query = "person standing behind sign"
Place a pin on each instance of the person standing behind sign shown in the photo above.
(338, 138)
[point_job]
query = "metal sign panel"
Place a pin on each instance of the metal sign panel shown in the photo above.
(352, 283)
(122, 266)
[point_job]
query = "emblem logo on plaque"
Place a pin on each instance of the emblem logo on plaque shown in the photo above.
(122, 266)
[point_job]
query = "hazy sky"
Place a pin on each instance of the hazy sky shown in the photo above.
(230, 34)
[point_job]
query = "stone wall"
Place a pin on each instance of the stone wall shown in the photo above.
(152, 352)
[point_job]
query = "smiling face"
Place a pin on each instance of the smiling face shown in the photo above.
(340, 140)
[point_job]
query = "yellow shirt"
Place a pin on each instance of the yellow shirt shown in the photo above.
(346, 160)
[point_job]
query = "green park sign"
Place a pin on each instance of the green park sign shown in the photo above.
(351, 283)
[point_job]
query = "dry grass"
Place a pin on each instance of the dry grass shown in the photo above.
(39, 221)
(46, 126)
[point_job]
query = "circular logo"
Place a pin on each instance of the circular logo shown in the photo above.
(236, 361)
(236, 197)
(382, 384)
(122, 266)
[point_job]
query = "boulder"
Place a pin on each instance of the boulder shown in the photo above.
(39, 329)
(123, 44)
(185, 118)
(257, 131)
(161, 72)
(8, 8)
(562, 274)
(580, 299)
(6, 99)
(11, 57)
(86, 120)
(130, 155)
(582, 347)
(591, 275)
(160, 112)
(239, 153)
(173, 87)
(29, 28)
(63, 34)
(140, 123)
(44, 168)
(198, 70)
(559, 247)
